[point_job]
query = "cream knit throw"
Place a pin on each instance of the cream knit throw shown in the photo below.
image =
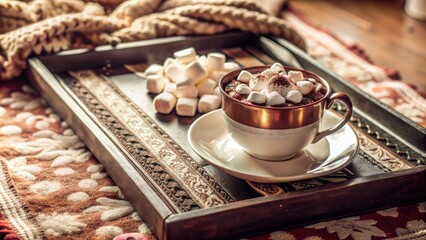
(49, 26)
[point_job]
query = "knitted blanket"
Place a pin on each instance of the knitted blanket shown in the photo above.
(49, 26)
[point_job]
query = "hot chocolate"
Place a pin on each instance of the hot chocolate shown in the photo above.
(275, 87)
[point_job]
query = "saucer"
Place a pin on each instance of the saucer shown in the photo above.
(209, 138)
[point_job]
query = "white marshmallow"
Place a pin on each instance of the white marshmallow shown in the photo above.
(268, 73)
(186, 89)
(230, 66)
(217, 75)
(304, 87)
(242, 89)
(206, 87)
(155, 83)
(244, 76)
(215, 61)
(274, 98)
(294, 96)
(313, 81)
(168, 62)
(257, 97)
(216, 91)
(154, 69)
(195, 71)
(258, 82)
(186, 106)
(295, 76)
(185, 56)
(208, 102)
(278, 67)
(318, 87)
(170, 88)
(164, 102)
(175, 72)
(280, 84)
(202, 60)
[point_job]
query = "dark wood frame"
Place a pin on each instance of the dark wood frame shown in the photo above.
(250, 216)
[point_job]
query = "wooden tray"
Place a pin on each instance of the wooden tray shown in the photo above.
(177, 193)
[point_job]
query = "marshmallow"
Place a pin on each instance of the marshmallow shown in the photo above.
(195, 71)
(242, 89)
(277, 67)
(217, 75)
(186, 106)
(206, 87)
(155, 83)
(175, 73)
(318, 88)
(215, 61)
(280, 84)
(257, 97)
(274, 98)
(258, 82)
(295, 76)
(304, 87)
(154, 69)
(168, 61)
(230, 66)
(269, 73)
(244, 76)
(170, 88)
(216, 91)
(202, 60)
(164, 102)
(186, 89)
(294, 96)
(185, 56)
(208, 102)
(313, 81)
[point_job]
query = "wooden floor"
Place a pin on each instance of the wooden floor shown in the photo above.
(391, 38)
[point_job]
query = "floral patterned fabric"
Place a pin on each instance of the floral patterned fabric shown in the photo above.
(65, 190)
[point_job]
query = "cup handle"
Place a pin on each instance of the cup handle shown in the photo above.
(345, 100)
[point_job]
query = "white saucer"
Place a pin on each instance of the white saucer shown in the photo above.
(209, 138)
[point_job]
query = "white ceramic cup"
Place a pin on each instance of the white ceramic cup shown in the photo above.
(278, 133)
(416, 9)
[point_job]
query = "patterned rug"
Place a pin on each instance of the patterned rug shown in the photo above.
(52, 187)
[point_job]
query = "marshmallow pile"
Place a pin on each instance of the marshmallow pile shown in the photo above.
(188, 82)
(274, 86)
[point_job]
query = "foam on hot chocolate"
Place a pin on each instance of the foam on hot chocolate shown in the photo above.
(280, 84)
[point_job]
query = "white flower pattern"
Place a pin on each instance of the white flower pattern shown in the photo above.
(352, 226)
(58, 224)
(19, 168)
(111, 209)
(390, 212)
(411, 227)
(281, 235)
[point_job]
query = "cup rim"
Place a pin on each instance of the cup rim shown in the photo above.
(287, 68)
